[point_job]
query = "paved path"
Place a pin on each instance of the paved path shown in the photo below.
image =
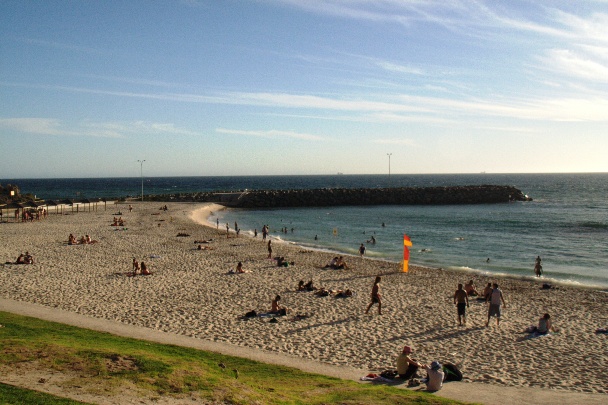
(471, 392)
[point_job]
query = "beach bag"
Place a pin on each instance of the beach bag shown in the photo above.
(251, 314)
(282, 311)
(452, 373)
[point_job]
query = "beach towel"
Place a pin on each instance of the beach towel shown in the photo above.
(375, 378)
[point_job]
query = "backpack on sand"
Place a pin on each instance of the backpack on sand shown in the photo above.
(452, 373)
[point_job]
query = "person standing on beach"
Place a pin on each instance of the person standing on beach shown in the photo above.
(227, 230)
(375, 296)
(538, 267)
(269, 249)
(217, 223)
(461, 300)
(264, 232)
(496, 299)
(362, 250)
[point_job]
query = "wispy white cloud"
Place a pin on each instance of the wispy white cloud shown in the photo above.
(271, 134)
(395, 141)
(55, 127)
(62, 46)
(31, 125)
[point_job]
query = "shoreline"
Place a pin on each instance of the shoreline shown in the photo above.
(202, 218)
(188, 286)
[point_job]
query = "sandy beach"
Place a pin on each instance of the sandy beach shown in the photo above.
(190, 293)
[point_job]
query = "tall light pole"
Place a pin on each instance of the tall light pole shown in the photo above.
(389, 168)
(141, 172)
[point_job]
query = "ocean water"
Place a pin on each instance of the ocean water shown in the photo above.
(566, 224)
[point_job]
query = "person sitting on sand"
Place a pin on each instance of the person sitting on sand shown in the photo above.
(544, 326)
(486, 292)
(332, 263)
(72, 240)
(276, 308)
(82, 240)
(341, 264)
(144, 269)
(28, 258)
(20, 259)
(135, 267)
(470, 289)
(406, 366)
(306, 287)
(434, 376)
(239, 268)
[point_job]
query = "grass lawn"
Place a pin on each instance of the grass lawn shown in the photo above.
(105, 364)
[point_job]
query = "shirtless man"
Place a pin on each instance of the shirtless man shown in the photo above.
(461, 299)
(470, 289)
(375, 296)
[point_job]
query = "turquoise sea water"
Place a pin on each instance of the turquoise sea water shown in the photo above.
(566, 224)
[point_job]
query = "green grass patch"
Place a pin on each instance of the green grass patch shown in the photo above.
(10, 395)
(106, 362)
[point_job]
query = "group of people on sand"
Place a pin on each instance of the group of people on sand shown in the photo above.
(337, 263)
(140, 269)
(407, 369)
(84, 240)
(24, 259)
(118, 222)
(491, 294)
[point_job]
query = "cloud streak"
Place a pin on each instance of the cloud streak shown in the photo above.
(55, 127)
(271, 134)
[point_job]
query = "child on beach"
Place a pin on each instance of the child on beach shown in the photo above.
(375, 296)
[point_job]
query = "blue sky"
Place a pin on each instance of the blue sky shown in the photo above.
(197, 87)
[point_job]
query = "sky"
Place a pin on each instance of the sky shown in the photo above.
(292, 87)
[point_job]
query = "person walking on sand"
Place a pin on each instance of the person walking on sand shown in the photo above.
(375, 296)
(217, 223)
(227, 230)
(269, 249)
(362, 250)
(496, 299)
(461, 300)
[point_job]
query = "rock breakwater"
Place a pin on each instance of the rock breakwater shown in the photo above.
(485, 194)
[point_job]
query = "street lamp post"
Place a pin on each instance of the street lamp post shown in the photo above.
(141, 172)
(389, 167)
